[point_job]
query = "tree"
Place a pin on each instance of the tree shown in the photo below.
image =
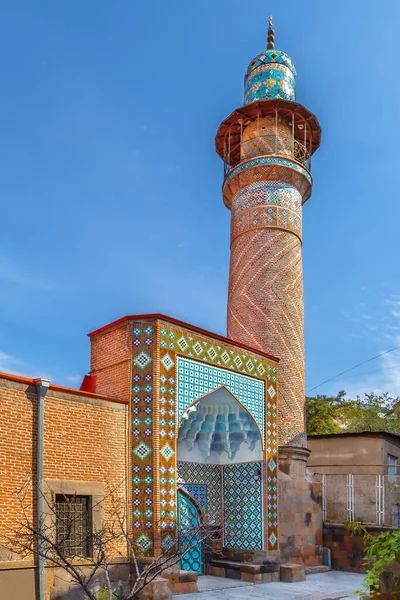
(59, 541)
(320, 416)
(374, 412)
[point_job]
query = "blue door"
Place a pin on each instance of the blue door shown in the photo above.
(189, 520)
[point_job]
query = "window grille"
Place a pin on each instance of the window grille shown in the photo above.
(73, 524)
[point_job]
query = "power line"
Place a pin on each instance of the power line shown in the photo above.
(397, 366)
(352, 368)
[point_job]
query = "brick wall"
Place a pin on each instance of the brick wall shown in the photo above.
(85, 440)
(110, 360)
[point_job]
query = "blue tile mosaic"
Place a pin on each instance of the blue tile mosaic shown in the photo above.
(198, 491)
(242, 492)
(196, 379)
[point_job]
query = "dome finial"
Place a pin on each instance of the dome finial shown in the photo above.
(271, 34)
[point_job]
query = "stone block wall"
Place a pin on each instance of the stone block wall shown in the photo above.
(346, 549)
(300, 509)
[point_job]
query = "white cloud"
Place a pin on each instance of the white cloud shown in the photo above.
(381, 375)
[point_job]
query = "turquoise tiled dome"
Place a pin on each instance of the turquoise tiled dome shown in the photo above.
(270, 75)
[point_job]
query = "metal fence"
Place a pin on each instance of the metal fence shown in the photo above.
(369, 497)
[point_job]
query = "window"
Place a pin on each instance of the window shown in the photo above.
(395, 515)
(392, 468)
(74, 524)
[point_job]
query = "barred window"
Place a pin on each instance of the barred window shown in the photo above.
(74, 524)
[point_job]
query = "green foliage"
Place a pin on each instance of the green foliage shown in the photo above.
(338, 414)
(320, 415)
(380, 551)
(105, 595)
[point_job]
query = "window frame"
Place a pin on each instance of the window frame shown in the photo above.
(87, 520)
(95, 489)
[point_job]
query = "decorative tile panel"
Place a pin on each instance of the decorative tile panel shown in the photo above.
(208, 476)
(157, 390)
(198, 491)
(196, 379)
(270, 75)
(242, 493)
(142, 414)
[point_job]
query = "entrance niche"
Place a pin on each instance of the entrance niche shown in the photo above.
(220, 462)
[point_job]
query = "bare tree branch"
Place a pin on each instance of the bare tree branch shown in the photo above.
(84, 555)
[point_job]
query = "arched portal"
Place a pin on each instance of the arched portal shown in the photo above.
(220, 463)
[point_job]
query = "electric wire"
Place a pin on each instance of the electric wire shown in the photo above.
(352, 368)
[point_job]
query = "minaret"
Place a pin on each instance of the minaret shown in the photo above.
(267, 146)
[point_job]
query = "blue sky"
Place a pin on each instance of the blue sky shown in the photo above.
(111, 190)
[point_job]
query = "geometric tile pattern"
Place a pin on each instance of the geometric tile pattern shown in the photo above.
(157, 348)
(198, 491)
(270, 75)
(266, 168)
(261, 217)
(142, 436)
(209, 476)
(196, 379)
(267, 82)
(271, 58)
(189, 349)
(242, 493)
(274, 192)
(269, 160)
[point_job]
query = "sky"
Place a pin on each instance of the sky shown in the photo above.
(110, 187)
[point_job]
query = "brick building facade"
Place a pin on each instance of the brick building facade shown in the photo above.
(85, 451)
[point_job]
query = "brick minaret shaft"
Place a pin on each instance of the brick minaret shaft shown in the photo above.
(267, 146)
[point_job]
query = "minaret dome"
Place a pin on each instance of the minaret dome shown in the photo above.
(270, 75)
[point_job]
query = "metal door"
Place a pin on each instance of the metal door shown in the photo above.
(189, 521)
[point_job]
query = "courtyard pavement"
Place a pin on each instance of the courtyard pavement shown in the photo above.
(321, 586)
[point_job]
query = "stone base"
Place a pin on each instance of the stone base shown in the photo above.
(251, 572)
(317, 569)
(290, 573)
(159, 589)
(187, 584)
(300, 509)
(257, 557)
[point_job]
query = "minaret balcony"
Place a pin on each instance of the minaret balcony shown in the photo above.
(268, 128)
(267, 146)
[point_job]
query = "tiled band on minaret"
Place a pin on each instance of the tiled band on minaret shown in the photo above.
(267, 146)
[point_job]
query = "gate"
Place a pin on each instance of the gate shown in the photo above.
(189, 521)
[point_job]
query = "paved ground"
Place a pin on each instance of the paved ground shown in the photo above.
(322, 586)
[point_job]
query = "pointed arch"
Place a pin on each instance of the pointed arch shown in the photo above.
(216, 425)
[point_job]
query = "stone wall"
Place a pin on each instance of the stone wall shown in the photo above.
(346, 549)
(300, 509)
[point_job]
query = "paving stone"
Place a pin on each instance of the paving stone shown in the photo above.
(320, 586)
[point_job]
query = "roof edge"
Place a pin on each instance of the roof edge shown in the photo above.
(61, 388)
(353, 433)
(159, 316)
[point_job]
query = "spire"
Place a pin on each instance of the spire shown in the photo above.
(271, 34)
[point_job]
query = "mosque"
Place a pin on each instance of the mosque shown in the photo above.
(199, 424)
